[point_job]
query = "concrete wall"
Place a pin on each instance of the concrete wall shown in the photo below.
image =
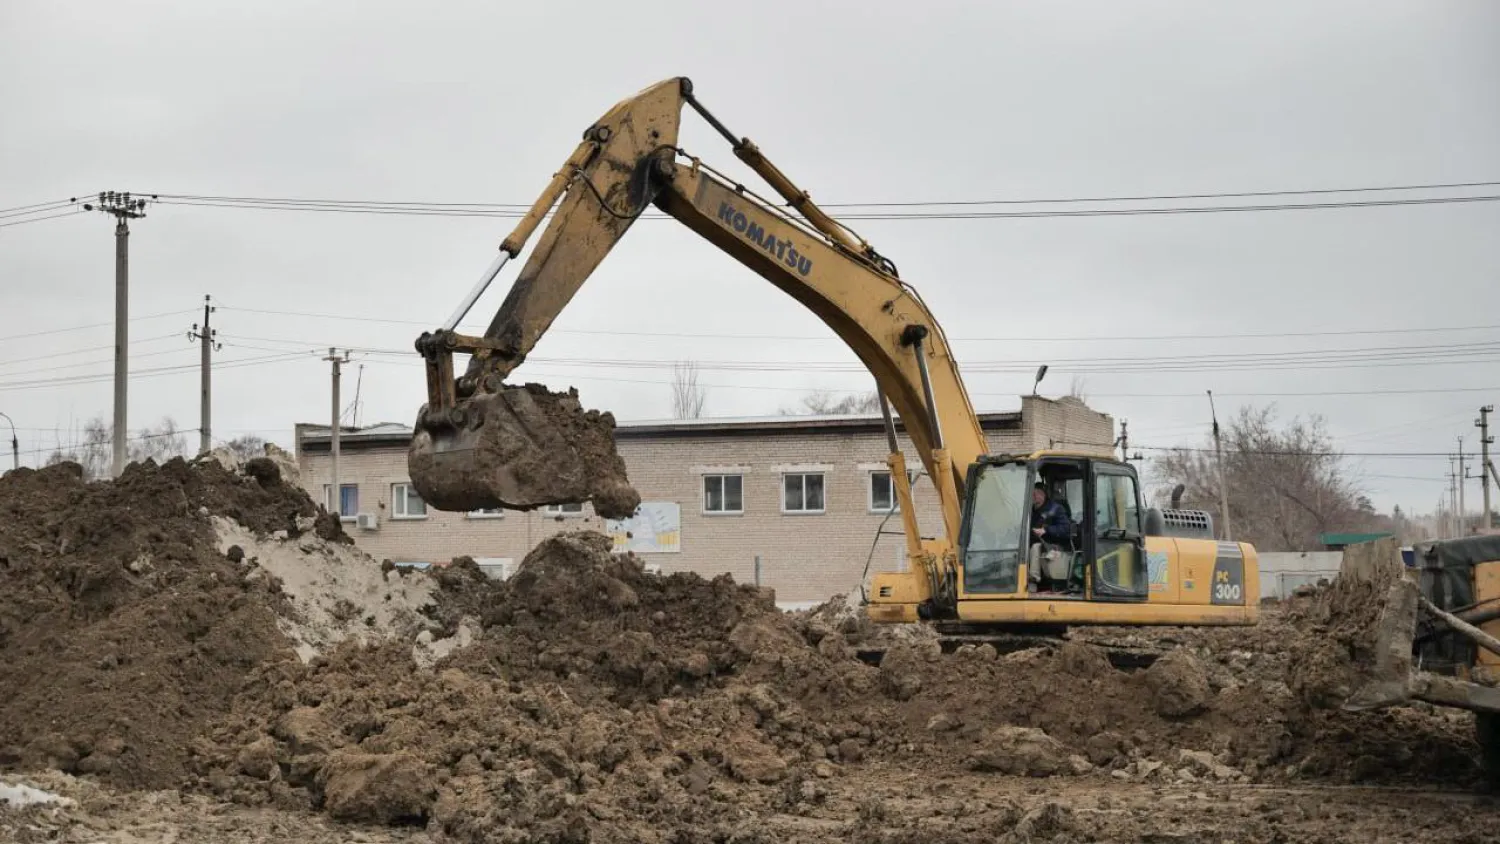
(1283, 571)
(804, 557)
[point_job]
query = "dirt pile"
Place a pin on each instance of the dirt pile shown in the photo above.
(1417, 744)
(333, 591)
(522, 447)
(124, 628)
(157, 623)
(1359, 632)
(598, 700)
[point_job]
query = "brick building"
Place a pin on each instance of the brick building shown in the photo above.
(806, 494)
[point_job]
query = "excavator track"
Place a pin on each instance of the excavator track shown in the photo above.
(952, 636)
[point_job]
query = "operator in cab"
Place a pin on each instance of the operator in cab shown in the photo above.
(1049, 521)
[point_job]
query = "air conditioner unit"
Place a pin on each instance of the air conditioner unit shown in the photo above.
(367, 521)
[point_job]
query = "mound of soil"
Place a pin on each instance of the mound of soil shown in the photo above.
(596, 697)
(124, 629)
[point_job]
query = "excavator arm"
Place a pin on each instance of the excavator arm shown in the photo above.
(629, 160)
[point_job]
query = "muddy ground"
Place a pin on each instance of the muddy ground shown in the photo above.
(886, 803)
(259, 679)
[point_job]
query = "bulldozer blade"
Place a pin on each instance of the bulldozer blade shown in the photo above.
(1367, 618)
(520, 448)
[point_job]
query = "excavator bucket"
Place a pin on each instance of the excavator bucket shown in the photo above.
(520, 448)
(1361, 655)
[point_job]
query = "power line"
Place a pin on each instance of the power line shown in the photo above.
(1177, 196)
(96, 362)
(1258, 361)
(51, 331)
(944, 215)
(71, 380)
(40, 208)
(1443, 454)
(71, 352)
(26, 220)
(980, 394)
(831, 338)
(523, 206)
(64, 449)
(1319, 393)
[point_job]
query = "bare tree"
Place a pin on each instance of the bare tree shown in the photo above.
(1286, 484)
(94, 451)
(688, 396)
(1078, 388)
(247, 446)
(824, 403)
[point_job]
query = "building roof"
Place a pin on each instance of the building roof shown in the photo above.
(391, 433)
(1349, 538)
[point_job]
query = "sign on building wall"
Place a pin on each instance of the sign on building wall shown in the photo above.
(656, 528)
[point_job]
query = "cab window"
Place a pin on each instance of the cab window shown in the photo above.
(1115, 504)
(997, 521)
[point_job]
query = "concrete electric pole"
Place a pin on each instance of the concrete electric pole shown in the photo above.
(1463, 474)
(206, 336)
(1219, 461)
(1452, 496)
(1486, 469)
(15, 444)
(336, 505)
(122, 207)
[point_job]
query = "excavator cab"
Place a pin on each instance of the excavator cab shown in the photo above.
(1091, 548)
(1091, 552)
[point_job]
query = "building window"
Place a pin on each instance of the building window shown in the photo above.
(487, 513)
(883, 494)
(723, 494)
(802, 493)
(348, 499)
(406, 504)
(572, 508)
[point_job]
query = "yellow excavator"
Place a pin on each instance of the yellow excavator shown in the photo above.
(480, 442)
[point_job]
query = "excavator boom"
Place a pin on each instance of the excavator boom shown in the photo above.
(480, 442)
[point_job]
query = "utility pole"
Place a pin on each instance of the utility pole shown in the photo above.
(337, 503)
(1219, 461)
(1463, 475)
(122, 208)
(206, 336)
(1452, 495)
(1485, 467)
(15, 444)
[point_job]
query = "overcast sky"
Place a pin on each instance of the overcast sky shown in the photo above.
(867, 102)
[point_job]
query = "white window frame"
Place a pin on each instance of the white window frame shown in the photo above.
(720, 476)
(870, 492)
(328, 500)
(804, 474)
(479, 515)
(556, 510)
(397, 513)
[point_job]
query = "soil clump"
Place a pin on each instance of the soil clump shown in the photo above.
(524, 447)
